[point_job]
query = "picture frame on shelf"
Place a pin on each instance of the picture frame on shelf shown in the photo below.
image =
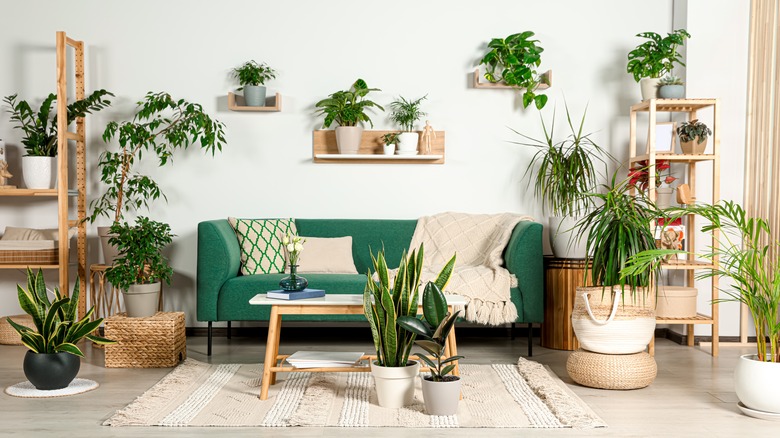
(664, 138)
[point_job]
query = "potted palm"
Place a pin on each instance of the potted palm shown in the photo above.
(693, 136)
(652, 59)
(252, 76)
(383, 304)
(39, 165)
(389, 143)
(513, 60)
(441, 390)
(348, 110)
(140, 267)
(565, 170)
(405, 113)
(52, 360)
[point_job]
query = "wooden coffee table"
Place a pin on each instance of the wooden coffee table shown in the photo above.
(335, 304)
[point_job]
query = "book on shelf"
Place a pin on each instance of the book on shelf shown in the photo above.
(325, 359)
(295, 295)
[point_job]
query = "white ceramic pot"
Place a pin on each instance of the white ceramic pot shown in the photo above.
(395, 385)
(254, 95)
(649, 88)
(39, 172)
(388, 149)
(607, 323)
(141, 300)
(565, 241)
(110, 252)
(408, 143)
(441, 398)
(664, 197)
(757, 384)
(676, 302)
(348, 139)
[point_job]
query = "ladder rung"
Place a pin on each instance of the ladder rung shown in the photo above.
(73, 136)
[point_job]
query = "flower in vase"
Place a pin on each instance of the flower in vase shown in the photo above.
(293, 243)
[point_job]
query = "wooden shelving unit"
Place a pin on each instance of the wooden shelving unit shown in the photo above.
(546, 81)
(236, 103)
(325, 150)
(62, 193)
(690, 107)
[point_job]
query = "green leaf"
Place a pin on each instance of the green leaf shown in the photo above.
(434, 304)
(414, 325)
(69, 348)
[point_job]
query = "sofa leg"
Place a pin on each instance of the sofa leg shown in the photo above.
(512, 331)
(530, 339)
(228, 331)
(209, 341)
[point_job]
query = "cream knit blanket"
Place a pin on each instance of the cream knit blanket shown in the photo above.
(479, 241)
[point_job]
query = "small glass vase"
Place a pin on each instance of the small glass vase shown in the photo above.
(293, 282)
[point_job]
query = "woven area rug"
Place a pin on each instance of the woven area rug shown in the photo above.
(27, 390)
(526, 395)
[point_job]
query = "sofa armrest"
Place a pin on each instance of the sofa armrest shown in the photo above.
(524, 258)
(219, 259)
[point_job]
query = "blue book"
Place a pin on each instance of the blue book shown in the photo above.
(295, 295)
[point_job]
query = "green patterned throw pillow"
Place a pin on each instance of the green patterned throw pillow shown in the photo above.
(261, 243)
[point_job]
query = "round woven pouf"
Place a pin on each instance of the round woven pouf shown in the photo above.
(9, 336)
(611, 371)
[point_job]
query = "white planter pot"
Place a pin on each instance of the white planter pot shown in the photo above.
(441, 398)
(624, 328)
(348, 139)
(141, 300)
(39, 172)
(408, 143)
(254, 95)
(664, 197)
(758, 384)
(388, 149)
(110, 252)
(395, 385)
(649, 88)
(676, 302)
(565, 241)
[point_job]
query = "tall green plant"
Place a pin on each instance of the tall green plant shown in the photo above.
(747, 256)
(514, 60)
(40, 128)
(405, 112)
(348, 108)
(657, 56)
(140, 259)
(57, 328)
(384, 303)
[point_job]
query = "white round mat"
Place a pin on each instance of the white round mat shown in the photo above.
(27, 390)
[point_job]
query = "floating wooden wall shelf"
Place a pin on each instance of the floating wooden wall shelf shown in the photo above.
(546, 81)
(324, 150)
(236, 103)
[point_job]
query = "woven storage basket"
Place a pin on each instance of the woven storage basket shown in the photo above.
(611, 371)
(157, 341)
(8, 335)
(39, 256)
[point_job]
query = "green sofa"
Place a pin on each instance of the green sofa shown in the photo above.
(223, 293)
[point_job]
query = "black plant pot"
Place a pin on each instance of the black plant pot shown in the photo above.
(51, 371)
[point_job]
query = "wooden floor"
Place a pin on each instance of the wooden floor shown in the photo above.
(693, 395)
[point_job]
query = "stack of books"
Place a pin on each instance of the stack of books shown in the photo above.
(295, 295)
(325, 359)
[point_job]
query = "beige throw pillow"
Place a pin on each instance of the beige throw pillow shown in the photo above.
(17, 233)
(326, 255)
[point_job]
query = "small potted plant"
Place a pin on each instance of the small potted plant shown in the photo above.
(671, 87)
(140, 267)
(513, 60)
(252, 76)
(639, 177)
(649, 61)
(52, 360)
(441, 390)
(383, 304)
(39, 165)
(348, 110)
(405, 113)
(389, 142)
(693, 136)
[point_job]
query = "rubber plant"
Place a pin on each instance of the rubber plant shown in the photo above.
(513, 60)
(656, 56)
(57, 328)
(348, 108)
(384, 303)
(40, 128)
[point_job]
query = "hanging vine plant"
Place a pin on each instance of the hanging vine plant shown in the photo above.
(513, 60)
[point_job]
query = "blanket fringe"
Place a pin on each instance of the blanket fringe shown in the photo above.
(484, 312)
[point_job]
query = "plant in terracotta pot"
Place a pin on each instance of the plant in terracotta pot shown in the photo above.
(513, 60)
(389, 142)
(252, 77)
(693, 136)
(652, 59)
(348, 110)
(441, 390)
(52, 361)
(671, 87)
(405, 113)
(383, 304)
(39, 166)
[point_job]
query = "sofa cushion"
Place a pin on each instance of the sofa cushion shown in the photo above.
(260, 241)
(326, 255)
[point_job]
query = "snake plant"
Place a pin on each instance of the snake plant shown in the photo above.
(384, 303)
(58, 330)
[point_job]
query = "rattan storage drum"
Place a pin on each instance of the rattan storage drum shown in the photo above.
(612, 371)
(9, 336)
(157, 341)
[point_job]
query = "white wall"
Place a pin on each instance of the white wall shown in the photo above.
(409, 48)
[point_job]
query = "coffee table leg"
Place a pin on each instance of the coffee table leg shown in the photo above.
(276, 346)
(271, 347)
(453, 350)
